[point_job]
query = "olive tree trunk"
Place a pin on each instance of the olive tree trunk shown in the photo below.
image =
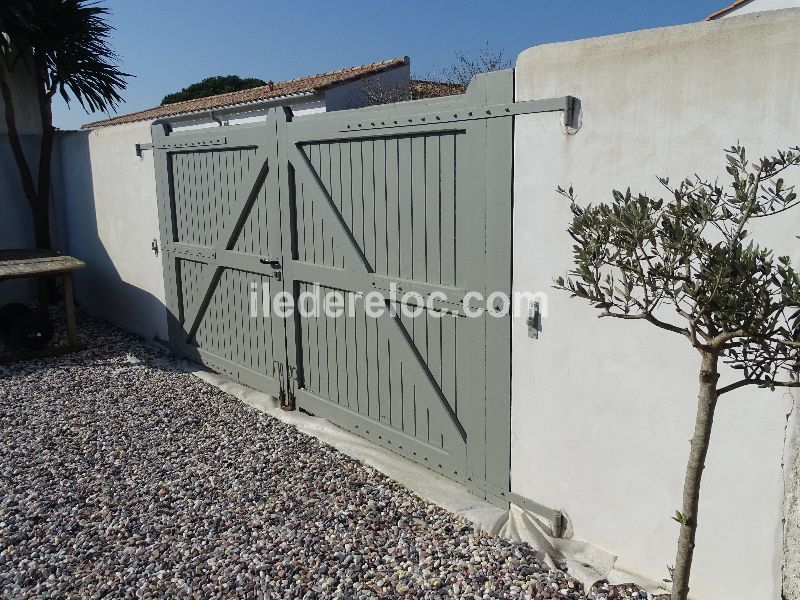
(704, 420)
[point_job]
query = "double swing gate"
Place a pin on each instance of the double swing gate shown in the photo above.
(412, 201)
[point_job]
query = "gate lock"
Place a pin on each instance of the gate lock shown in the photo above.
(534, 321)
(276, 267)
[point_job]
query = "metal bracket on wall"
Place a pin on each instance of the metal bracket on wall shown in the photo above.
(141, 147)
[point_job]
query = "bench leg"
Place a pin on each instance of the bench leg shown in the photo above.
(72, 335)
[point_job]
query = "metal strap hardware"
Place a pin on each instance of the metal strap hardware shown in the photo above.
(566, 104)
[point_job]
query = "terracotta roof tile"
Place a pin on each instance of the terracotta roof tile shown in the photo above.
(727, 9)
(301, 85)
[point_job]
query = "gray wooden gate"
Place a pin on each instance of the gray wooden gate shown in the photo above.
(415, 197)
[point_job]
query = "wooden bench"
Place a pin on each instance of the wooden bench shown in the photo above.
(15, 264)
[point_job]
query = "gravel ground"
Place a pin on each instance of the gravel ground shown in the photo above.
(121, 475)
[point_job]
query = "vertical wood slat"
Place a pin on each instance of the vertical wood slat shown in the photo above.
(447, 162)
(392, 209)
(191, 174)
(405, 225)
(312, 375)
(395, 385)
(381, 242)
(381, 348)
(351, 357)
(350, 331)
(333, 366)
(357, 182)
(373, 366)
(178, 173)
(324, 170)
(361, 349)
(418, 212)
(370, 198)
(433, 233)
(319, 243)
(202, 198)
(346, 168)
(407, 388)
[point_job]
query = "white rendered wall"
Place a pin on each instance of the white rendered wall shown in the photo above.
(109, 207)
(762, 5)
(603, 410)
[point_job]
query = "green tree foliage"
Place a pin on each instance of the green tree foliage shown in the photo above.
(65, 45)
(211, 86)
(688, 265)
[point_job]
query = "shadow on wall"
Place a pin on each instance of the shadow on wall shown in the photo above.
(16, 222)
(92, 211)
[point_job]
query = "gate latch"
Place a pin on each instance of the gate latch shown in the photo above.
(534, 321)
(276, 267)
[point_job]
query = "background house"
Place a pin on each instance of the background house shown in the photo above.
(325, 92)
(743, 7)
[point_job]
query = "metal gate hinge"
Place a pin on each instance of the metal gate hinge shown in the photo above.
(141, 147)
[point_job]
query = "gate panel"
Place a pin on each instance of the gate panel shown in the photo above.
(220, 222)
(398, 208)
(408, 198)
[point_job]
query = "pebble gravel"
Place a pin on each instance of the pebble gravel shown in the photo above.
(123, 476)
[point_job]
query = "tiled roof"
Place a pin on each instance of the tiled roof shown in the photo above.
(727, 9)
(433, 89)
(310, 84)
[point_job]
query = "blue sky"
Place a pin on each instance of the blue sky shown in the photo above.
(169, 44)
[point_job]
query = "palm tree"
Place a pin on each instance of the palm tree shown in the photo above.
(64, 44)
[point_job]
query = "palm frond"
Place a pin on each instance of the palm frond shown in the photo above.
(66, 42)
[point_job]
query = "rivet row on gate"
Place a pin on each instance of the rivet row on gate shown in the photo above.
(424, 119)
(206, 142)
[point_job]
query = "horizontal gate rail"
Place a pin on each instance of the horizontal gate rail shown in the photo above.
(364, 283)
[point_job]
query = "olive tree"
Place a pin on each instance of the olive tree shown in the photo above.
(688, 265)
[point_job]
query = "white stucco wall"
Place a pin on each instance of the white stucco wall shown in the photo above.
(109, 207)
(602, 409)
(16, 224)
(762, 5)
